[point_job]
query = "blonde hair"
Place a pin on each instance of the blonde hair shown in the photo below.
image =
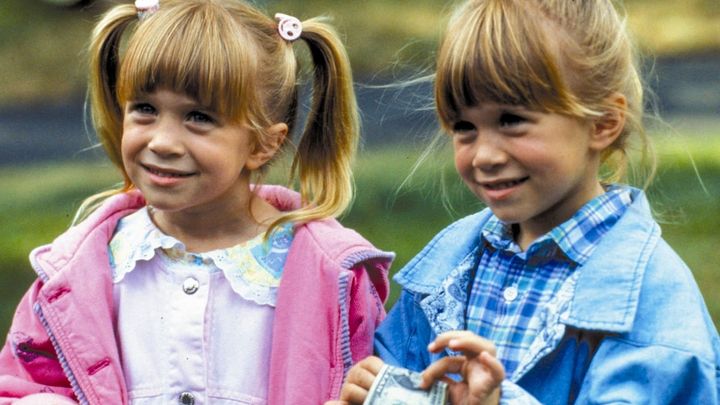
(559, 56)
(228, 55)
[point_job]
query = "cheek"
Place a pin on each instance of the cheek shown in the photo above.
(539, 156)
(463, 161)
(127, 145)
(131, 144)
(126, 156)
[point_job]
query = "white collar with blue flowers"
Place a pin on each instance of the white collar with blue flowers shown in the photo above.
(253, 268)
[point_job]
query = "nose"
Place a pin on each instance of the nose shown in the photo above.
(489, 152)
(165, 139)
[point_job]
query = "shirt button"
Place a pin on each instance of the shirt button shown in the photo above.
(186, 398)
(190, 285)
(510, 294)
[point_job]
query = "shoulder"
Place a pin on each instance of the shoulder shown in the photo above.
(324, 250)
(341, 245)
(672, 339)
(85, 240)
(669, 301)
(325, 238)
(637, 286)
(671, 310)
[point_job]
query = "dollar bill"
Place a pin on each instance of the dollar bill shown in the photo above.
(399, 386)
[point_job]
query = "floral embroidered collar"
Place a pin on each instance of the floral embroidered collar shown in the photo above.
(253, 268)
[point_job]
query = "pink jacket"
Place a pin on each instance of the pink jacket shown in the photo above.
(62, 341)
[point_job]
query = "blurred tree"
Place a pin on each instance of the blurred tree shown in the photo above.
(42, 45)
(69, 3)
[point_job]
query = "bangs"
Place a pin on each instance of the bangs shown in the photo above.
(216, 70)
(500, 51)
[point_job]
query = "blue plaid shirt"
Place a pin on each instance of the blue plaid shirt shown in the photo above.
(512, 285)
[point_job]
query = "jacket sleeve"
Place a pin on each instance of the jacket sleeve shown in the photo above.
(624, 371)
(402, 338)
(28, 363)
(366, 306)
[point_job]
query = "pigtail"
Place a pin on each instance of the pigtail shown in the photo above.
(104, 64)
(325, 152)
(105, 109)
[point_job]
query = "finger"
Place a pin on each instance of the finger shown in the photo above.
(364, 372)
(361, 377)
(484, 377)
(438, 370)
(470, 344)
(372, 364)
(352, 394)
(494, 366)
(441, 340)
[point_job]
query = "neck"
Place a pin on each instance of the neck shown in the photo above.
(528, 232)
(217, 228)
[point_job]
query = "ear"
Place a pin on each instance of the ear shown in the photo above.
(264, 151)
(609, 126)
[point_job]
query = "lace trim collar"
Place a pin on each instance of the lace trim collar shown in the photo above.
(252, 268)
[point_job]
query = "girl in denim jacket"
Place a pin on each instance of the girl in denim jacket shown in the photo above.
(561, 290)
(189, 284)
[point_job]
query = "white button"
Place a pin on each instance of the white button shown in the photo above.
(186, 398)
(190, 285)
(510, 294)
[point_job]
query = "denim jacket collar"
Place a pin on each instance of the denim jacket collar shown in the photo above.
(636, 235)
(440, 273)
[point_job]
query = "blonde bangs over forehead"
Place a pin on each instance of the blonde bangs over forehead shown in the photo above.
(195, 49)
(500, 51)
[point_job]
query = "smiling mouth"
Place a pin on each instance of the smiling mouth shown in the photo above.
(504, 184)
(166, 173)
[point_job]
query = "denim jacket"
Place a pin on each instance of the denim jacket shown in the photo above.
(630, 326)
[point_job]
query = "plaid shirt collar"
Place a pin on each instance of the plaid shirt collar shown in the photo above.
(575, 238)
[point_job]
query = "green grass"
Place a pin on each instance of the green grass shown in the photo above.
(688, 201)
(38, 203)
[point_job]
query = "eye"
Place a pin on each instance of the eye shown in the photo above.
(463, 127)
(200, 117)
(508, 119)
(142, 108)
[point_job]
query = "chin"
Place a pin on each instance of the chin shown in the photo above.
(507, 217)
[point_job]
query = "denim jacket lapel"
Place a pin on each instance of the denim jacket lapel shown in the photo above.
(445, 307)
(618, 262)
(440, 275)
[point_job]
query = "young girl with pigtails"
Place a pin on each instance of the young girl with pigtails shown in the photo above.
(562, 290)
(192, 283)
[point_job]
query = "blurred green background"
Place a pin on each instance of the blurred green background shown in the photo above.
(41, 46)
(48, 167)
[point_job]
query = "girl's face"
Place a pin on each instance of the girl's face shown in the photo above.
(185, 158)
(531, 168)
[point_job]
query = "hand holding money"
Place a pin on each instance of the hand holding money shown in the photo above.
(371, 382)
(481, 372)
(400, 386)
